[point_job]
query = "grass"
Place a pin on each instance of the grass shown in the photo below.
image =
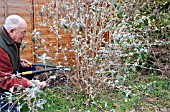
(152, 93)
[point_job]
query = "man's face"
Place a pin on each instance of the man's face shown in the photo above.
(17, 35)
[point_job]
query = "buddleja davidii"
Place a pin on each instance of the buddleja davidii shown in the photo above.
(100, 35)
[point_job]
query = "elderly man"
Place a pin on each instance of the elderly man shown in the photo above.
(11, 35)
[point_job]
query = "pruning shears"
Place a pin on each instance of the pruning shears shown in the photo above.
(46, 70)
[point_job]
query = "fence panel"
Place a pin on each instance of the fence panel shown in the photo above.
(21, 8)
(29, 10)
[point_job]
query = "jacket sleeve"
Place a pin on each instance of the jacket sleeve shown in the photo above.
(6, 70)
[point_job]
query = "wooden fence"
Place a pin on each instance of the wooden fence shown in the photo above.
(27, 9)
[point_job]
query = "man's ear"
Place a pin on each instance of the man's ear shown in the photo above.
(11, 31)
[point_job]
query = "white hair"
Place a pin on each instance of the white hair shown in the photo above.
(12, 21)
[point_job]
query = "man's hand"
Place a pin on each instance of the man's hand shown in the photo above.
(25, 63)
(42, 85)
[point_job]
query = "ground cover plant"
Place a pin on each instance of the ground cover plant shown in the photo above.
(121, 52)
(152, 94)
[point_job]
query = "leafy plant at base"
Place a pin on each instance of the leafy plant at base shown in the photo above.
(20, 98)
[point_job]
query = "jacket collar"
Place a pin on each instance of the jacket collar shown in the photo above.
(6, 36)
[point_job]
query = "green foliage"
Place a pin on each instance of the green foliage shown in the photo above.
(23, 45)
(150, 92)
